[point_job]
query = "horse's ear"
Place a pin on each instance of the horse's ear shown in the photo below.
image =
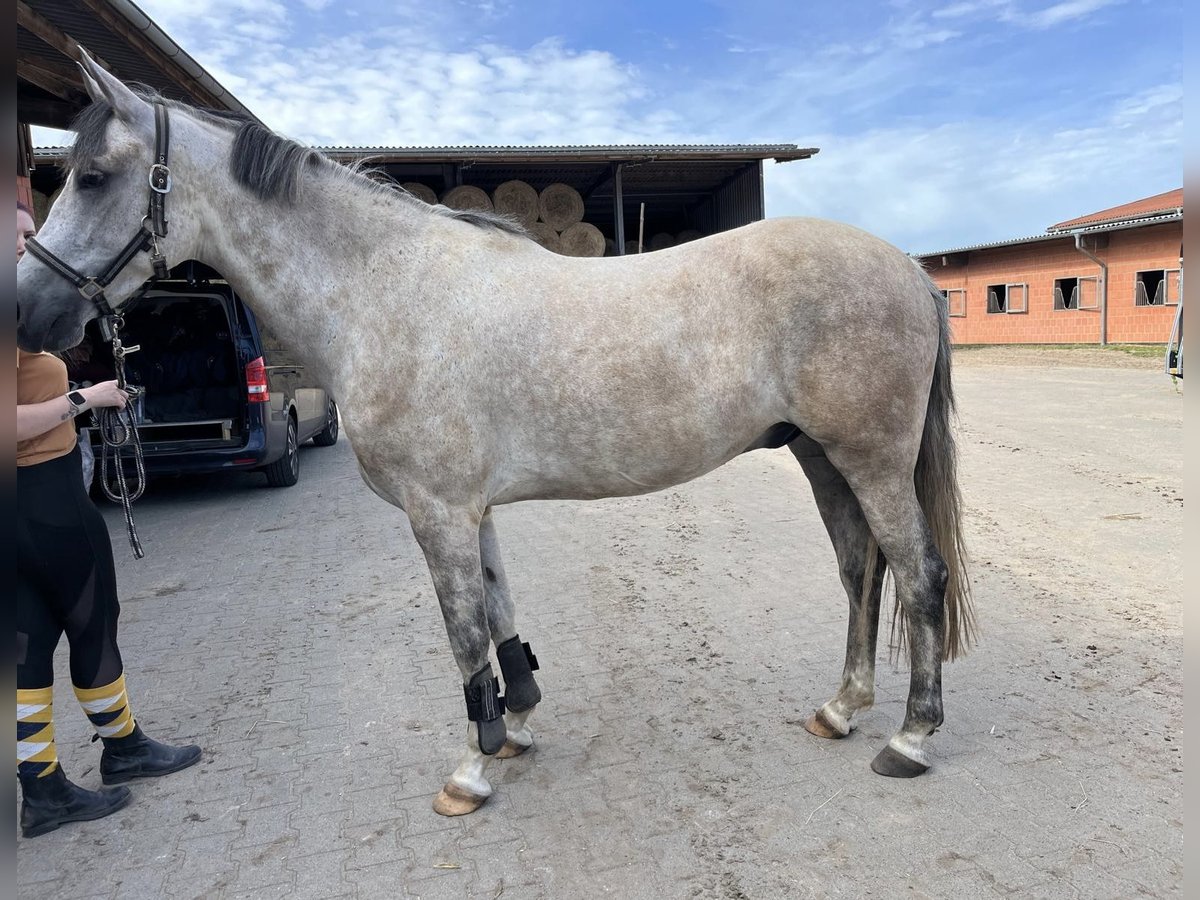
(104, 87)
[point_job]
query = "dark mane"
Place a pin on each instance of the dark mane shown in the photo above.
(268, 164)
(263, 161)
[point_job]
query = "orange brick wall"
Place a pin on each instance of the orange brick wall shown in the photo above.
(1038, 265)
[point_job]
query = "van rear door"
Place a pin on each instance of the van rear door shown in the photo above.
(188, 368)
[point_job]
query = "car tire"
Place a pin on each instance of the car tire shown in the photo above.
(285, 471)
(329, 435)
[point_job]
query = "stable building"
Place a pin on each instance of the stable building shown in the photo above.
(1113, 276)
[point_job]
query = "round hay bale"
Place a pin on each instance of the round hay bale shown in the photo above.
(685, 237)
(517, 200)
(661, 241)
(610, 247)
(467, 196)
(421, 191)
(631, 248)
(581, 239)
(560, 206)
(545, 235)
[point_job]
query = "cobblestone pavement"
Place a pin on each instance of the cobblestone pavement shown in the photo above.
(683, 638)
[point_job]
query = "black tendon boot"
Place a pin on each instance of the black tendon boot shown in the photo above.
(518, 664)
(51, 801)
(485, 707)
(138, 756)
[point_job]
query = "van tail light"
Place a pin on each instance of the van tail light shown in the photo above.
(256, 382)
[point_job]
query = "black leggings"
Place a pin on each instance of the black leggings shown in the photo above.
(66, 580)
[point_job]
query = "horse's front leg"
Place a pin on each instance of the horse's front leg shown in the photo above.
(449, 537)
(517, 662)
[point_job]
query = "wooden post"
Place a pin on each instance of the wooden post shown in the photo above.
(641, 225)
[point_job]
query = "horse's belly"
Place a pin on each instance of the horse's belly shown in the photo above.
(584, 475)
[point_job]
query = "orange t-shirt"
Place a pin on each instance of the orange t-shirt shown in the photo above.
(41, 377)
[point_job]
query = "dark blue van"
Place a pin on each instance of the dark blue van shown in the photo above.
(218, 392)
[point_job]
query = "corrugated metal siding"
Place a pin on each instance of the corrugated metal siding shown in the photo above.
(738, 201)
(741, 201)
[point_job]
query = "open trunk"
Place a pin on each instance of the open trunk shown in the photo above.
(193, 389)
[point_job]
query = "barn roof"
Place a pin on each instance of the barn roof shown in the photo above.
(1156, 210)
(1166, 203)
(121, 37)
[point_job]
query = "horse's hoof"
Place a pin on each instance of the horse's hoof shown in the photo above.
(454, 801)
(818, 725)
(894, 764)
(511, 748)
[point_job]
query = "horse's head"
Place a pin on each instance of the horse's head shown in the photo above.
(100, 210)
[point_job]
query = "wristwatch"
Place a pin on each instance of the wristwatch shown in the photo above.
(77, 401)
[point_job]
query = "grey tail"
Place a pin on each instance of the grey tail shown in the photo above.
(936, 482)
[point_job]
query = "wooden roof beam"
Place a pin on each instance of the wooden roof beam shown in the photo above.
(172, 70)
(51, 35)
(57, 80)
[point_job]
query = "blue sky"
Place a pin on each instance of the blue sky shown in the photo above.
(940, 124)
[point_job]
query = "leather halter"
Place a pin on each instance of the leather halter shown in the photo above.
(154, 226)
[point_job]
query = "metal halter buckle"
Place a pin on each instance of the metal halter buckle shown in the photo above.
(164, 179)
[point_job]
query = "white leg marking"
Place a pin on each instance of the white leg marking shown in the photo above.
(469, 774)
(518, 731)
(910, 746)
(835, 718)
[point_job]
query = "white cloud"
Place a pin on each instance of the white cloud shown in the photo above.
(929, 189)
(1061, 12)
(1012, 13)
(922, 174)
(968, 8)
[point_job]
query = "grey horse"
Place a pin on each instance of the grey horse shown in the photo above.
(475, 368)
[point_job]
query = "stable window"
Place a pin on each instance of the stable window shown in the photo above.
(956, 301)
(1173, 286)
(1008, 298)
(1156, 287)
(1018, 298)
(997, 297)
(1079, 292)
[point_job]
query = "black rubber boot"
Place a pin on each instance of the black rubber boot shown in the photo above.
(51, 801)
(517, 663)
(138, 756)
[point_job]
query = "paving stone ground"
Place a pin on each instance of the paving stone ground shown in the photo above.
(683, 638)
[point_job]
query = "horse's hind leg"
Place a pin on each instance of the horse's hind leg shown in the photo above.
(850, 535)
(449, 537)
(888, 498)
(521, 693)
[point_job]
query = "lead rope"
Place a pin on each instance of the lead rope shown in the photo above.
(118, 430)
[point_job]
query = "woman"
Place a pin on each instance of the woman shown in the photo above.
(66, 582)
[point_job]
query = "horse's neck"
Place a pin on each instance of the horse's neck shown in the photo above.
(312, 269)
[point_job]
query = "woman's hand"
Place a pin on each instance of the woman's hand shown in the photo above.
(106, 393)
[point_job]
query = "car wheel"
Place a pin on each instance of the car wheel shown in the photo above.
(328, 437)
(285, 471)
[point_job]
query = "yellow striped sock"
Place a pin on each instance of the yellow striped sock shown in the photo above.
(36, 753)
(108, 708)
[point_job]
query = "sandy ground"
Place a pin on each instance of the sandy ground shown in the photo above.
(1043, 356)
(683, 638)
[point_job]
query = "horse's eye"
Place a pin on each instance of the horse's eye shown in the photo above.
(92, 180)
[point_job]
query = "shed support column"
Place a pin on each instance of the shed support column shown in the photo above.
(1103, 287)
(619, 209)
